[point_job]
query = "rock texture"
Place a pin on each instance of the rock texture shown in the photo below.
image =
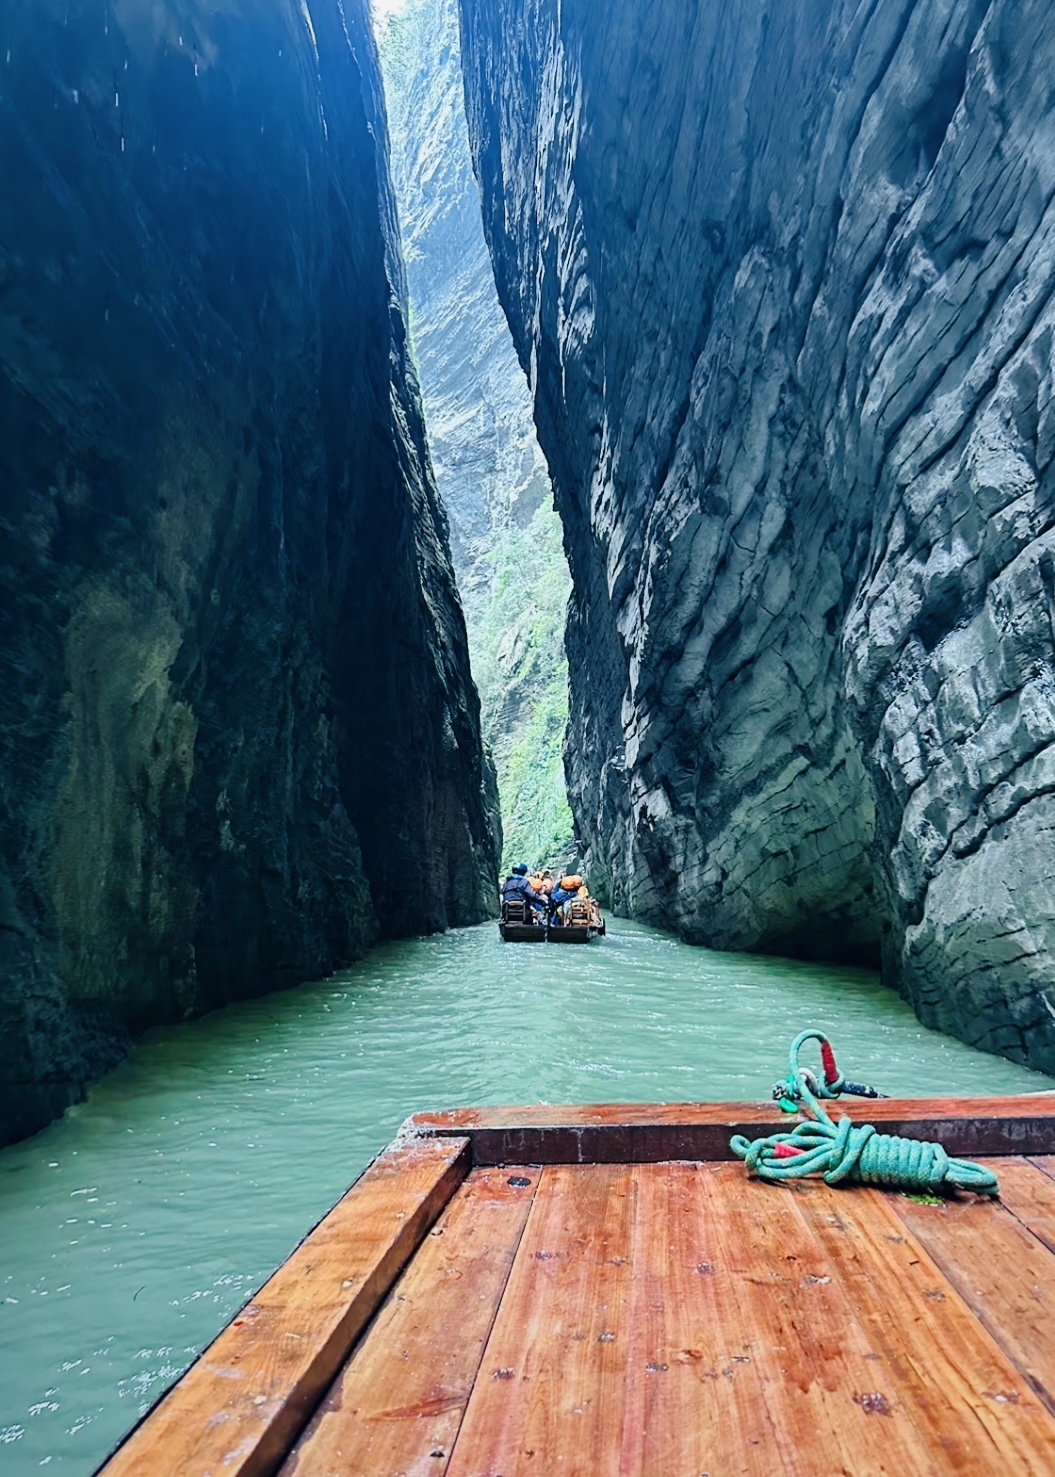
(782, 274)
(486, 456)
(492, 477)
(238, 731)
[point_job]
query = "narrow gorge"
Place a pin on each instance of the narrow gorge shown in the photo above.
(779, 280)
(440, 435)
(240, 737)
(782, 278)
(492, 478)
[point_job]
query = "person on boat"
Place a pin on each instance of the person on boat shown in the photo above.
(580, 909)
(517, 885)
(562, 893)
(542, 882)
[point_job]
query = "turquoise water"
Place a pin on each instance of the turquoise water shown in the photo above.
(132, 1230)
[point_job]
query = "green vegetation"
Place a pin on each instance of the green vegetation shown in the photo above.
(536, 818)
(513, 580)
(516, 638)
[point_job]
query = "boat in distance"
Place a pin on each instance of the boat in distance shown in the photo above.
(520, 924)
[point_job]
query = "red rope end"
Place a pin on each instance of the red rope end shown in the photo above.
(831, 1071)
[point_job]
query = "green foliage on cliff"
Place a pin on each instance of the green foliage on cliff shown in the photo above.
(516, 639)
(537, 820)
(490, 473)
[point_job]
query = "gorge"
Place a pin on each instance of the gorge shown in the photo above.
(780, 280)
(505, 536)
(240, 738)
(749, 352)
(781, 276)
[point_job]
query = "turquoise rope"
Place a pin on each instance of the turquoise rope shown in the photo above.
(788, 1092)
(840, 1151)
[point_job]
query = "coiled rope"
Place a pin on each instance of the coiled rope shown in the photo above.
(840, 1151)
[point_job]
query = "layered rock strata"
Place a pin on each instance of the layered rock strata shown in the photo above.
(782, 277)
(239, 736)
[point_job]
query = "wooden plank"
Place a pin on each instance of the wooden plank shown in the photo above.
(1003, 1272)
(397, 1405)
(644, 1133)
(1026, 1105)
(692, 1400)
(549, 1392)
(935, 1359)
(238, 1408)
(1027, 1189)
(1045, 1163)
(746, 1353)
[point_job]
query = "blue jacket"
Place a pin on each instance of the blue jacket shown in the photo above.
(517, 886)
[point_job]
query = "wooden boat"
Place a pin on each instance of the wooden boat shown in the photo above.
(519, 924)
(517, 927)
(599, 1290)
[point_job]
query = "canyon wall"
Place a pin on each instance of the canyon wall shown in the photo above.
(492, 478)
(781, 275)
(481, 436)
(239, 736)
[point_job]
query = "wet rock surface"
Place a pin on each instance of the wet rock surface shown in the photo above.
(782, 275)
(239, 737)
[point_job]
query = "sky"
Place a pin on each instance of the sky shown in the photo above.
(383, 10)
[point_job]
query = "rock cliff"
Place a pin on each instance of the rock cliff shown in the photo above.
(782, 277)
(239, 736)
(478, 409)
(492, 478)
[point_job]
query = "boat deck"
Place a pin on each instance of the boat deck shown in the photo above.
(601, 1290)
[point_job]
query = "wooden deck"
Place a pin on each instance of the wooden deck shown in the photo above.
(585, 1291)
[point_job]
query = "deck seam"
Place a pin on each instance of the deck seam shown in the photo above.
(848, 1292)
(1035, 1160)
(943, 1264)
(1049, 1246)
(498, 1305)
(923, 1252)
(441, 1471)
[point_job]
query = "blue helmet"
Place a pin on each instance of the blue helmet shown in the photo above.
(521, 869)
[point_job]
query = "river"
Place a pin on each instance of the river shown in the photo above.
(131, 1230)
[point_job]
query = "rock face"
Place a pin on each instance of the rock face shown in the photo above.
(489, 469)
(486, 456)
(239, 733)
(783, 276)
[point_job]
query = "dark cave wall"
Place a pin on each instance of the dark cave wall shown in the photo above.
(239, 735)
(781, 276)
